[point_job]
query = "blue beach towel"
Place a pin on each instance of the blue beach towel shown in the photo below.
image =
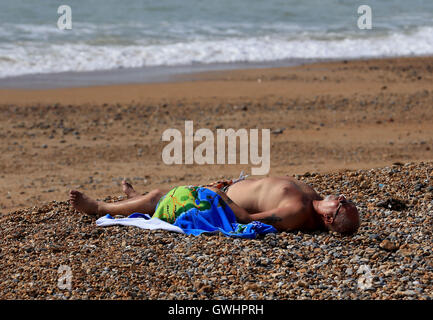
(219, 217)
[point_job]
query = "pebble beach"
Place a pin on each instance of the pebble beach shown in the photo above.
(389, 258)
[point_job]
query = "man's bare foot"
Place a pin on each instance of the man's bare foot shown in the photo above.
(83, 203)
(129, 190)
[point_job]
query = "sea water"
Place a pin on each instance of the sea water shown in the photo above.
(113, 34)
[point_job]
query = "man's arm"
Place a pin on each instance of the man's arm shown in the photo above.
(283, 219)
(241, 214)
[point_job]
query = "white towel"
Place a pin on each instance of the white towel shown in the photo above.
(149, 224)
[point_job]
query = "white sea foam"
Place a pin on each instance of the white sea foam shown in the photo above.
(29, 57)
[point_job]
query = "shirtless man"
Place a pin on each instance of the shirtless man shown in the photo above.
(283, 202)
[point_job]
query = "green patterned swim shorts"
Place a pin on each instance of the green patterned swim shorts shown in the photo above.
(177, 201)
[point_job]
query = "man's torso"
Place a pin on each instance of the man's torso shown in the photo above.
(259, 195)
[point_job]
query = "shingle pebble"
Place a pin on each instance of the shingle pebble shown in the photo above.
(389, 258)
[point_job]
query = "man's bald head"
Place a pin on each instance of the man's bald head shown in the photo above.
(347, 220)
(338, 214)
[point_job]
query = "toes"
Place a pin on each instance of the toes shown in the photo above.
(127, 185)
(74, 196)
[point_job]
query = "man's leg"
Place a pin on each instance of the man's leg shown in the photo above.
(143, 204)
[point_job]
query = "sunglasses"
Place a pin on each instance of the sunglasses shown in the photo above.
(338, 210)
(341, 202)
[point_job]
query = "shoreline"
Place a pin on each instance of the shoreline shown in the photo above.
(140, 75)
(213, 84)
(158, 74)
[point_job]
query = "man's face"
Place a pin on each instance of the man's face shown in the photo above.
(334, 205)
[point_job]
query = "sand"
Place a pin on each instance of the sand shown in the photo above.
(324, 117)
